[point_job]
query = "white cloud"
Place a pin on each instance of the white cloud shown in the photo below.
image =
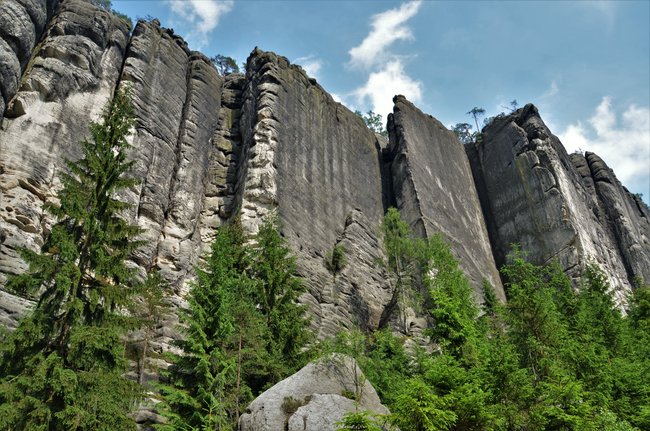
(382, 85)
(338, 98)
(387, 76)
(553, 89)
(202, 15)
(387, 27)
(622, 141)
(311, 64)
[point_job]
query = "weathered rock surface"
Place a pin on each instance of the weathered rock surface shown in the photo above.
(70, 79)
(315, 163)
(533, 195)
(319, 388)
(626, 214)
(208, 148)
(435, 193)
(177, 96)
(22, 23)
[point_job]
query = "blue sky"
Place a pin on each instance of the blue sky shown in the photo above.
(586, 65)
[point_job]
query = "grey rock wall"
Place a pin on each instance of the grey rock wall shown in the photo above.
(70, 78)
(22, 23)
(208, 148)
(535, 196)
(314, 163)
(177, 97)
(435, 193)
(627, 215)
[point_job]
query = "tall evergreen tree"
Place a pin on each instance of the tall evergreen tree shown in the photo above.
(274, 270)
(203, 390)
(244, 331)
(62, 367)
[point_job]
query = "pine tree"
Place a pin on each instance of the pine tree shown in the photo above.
(274, 269)
(62, 367)
(204, 388)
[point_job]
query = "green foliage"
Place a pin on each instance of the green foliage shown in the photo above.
(335, 260)
(404, 263)
(108, 5)
(204, 388)
(225, 65)
(278, 288)
(418, 408)
(149, 309)
(104, 4)
(358, 421)
(552, 358)
(244, 331)
(452, 307)
(290, 405)
(374, 122)
(463, 132)
(62, 368)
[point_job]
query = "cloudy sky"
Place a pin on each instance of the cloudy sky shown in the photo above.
(586, 65)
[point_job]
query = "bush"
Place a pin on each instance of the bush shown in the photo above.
(335, 260)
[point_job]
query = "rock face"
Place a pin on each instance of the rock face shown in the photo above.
(70, 78)
(435, 193)
(626, 214)
(208, 148)
(314, 162)
(556, 206)
(313, 399)
(22, 23)
(177, 97)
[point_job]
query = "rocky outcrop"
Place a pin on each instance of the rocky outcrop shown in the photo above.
(314, 398)
(70, 78)
(208, 148)
(534, 196)
(315, 163)
(177, 96)
(627, 215)
(22, 23)
(435, 193)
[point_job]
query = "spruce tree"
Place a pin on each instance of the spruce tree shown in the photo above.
(274, 270)
(208, 386)
(62, 367)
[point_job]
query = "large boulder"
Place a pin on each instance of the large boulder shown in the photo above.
(313, 399)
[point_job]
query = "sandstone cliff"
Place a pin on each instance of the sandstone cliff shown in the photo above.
(208, 148)
(557, 206)
(70, 77)
(434, 190)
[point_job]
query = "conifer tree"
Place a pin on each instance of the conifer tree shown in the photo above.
(274, 269)
(62, 367)
(203, 389)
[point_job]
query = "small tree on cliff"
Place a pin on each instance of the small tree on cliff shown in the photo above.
(476, 112)
(463, 132)
(374, 122)
(62, 369)
(225, 65)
